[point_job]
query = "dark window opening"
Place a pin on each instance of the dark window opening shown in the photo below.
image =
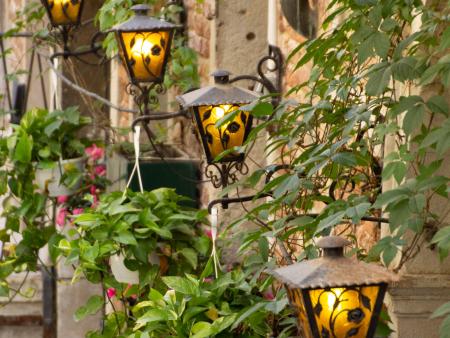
(301, 16)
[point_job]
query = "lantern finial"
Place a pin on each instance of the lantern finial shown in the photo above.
(333, 246)
(141, 9)
(221, 76)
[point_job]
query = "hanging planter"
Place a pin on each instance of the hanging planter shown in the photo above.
(177, 170)
(120, 272)
(50, 179)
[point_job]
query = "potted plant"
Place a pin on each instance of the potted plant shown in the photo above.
(50, 142)
(135, 238)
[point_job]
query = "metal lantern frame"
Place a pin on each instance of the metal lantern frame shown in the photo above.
(64, 29)
(141, 23)
(46, 4)
(220, 94)
(334, 271)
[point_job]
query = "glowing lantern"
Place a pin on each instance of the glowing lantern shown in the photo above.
(209, 105)
(144, 45)
(64, 12)
(335, 296)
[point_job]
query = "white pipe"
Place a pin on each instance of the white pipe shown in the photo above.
(272, 23)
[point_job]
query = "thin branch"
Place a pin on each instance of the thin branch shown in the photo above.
(87, 92)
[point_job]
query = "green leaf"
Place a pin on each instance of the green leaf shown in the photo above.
(413, 118)
(53, 248)
(330, 221)
(357, 212)
(23, 148)
(125, 237)
(191, 256)
(93, 305)
(390, 196)
(4, 289)
(52, 127)
(444, 329)
(151, 316)
(378, 79)
(442, 310)
(247, 312)
(381, 42)
(182, 284)
(438, 104)
(201, 330)
(345, 158)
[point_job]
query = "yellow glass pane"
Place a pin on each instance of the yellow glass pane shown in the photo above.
(64, 12)
(145, 53)
(296, 299)
(230, 134)
(344, 312)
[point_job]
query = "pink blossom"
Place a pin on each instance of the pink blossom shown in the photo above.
(77, 211)
(208, 233)
(111, 292)
(94, 152)
(100, 170)
(93, 190)
(208, 280)
(62, 199)
(61, 218)
(269, 295)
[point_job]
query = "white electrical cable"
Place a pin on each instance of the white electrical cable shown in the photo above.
(214, 221)
(136, 138)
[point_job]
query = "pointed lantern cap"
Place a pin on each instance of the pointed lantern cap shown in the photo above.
(222, 92)
(332, 269)
(142, 22)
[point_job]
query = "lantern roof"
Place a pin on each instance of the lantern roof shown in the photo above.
(333, 269)
(140, 21)
(222, 92)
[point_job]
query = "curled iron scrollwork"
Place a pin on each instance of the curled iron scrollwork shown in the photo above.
(145, 95)
(222, 175)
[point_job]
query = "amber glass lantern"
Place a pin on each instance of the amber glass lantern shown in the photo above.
(64, 12)
(335, 296)
(210, 104)
(144, 45)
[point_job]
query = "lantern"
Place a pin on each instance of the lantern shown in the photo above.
(64, 12)
(144, 45)
(209, 105)
(335, 296)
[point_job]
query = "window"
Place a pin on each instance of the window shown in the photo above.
(301, 16)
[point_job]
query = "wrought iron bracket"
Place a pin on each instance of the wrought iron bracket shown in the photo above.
(271, 63)
(95, 46)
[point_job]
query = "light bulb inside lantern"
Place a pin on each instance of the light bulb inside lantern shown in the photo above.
(64, 12)
(141, 47)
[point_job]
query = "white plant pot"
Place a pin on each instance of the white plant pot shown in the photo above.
(121, 272)
(49, 179)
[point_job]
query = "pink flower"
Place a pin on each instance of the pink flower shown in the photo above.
(208, 280)
(208, 233)
(61, 218)
(77, 211)
(111, 292)
(100, 170)
(269, 295)
(62, 199)
(94, 152)
(93, 190)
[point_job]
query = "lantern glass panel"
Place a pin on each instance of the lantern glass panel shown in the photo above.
(145, 54)
(344, 312)
(64, 12)
(230, 134)
(296, 300)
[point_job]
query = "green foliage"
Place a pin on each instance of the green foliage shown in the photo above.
(46, 137)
